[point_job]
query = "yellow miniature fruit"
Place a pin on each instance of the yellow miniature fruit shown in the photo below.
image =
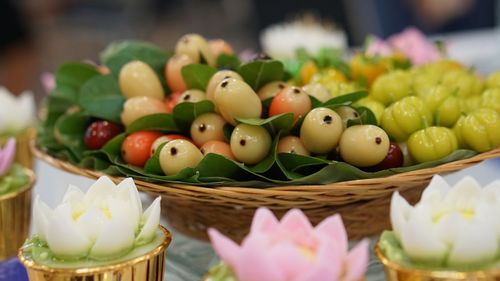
(139, 79)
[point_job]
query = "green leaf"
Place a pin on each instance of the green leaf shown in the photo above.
(156, 122)
(100, 97)
(345, 99)
(153, 164)
(366, 117)
(69, 131)
(225, 61)
(70, 77)
(197, 76)
(274, 124)
(261, 72)
(117, 54)
(228, 130)
(185, 112)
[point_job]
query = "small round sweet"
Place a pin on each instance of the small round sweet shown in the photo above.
(220, 46)
(217, 78)
(364, 145)
(291, 99)
(292, 144)
(193, 95)
(196, 48)
(236, 99)
(207, 127)
(137, 107)
(177, 155)
(318, 91)
(98, 133)
(173, 72)
(172, 100)
(163, 139)
(250, 144)
(321, 129)
(137, 146)
(346, 113)
(271, 89)
(136, 78)
(217, 147)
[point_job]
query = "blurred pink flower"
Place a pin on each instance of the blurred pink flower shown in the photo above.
(7, 154)
(48, 81)
(378, 47)
(415, 46)
(410, 42)
(292, 250)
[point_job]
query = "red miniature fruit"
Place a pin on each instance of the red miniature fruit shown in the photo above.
(217, 147)
(173, 73)
(172, 100)
(164, 139)
(219, 46)
(100, 132)
(291, 99)
(393, 159)
(137, 146)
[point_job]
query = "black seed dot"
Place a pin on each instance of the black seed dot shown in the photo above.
(224, 83)
(296, 90)
(173, 151)
(293, 151)
(378, 140)
(202, 128)
(328, 119)
(185, 40)
(187, 97)
(355, 114)
(202, 151)
(227, 76)
(153, 151)
(123, 152)
(281, 85)
(243, 142)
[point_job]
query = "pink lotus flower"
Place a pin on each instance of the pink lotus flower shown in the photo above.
(292, 250)
(415, 45)
(48, 82)
(411, 43)
(7, 156)
(378, 47)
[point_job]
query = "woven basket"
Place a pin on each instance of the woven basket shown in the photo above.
(363, 204)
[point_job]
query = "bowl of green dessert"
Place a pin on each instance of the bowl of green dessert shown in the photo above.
(16, 184)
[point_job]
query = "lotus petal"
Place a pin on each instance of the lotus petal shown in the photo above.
(116, 237)
(476, 244)
(151, 218)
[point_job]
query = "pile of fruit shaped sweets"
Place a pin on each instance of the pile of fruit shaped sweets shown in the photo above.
(200, 115)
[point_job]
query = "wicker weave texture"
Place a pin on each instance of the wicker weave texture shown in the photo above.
(363, 204)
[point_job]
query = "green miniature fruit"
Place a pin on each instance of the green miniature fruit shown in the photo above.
(364, 145)
(207, 127)
(138, 79)
(250, 144)
(321, 129)
(236, 99)
(177, 155)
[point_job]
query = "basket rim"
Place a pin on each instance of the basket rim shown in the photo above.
(282, 190)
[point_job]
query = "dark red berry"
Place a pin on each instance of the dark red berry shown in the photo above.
(100, 132)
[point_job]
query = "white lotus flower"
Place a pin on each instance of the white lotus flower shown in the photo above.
(451, 226)
(16, 113)
(282, 40)
(104, 222)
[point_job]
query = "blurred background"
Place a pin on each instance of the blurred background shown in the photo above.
(38, 35)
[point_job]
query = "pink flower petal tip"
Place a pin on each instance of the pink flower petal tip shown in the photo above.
(7, 154)
(292, 250)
